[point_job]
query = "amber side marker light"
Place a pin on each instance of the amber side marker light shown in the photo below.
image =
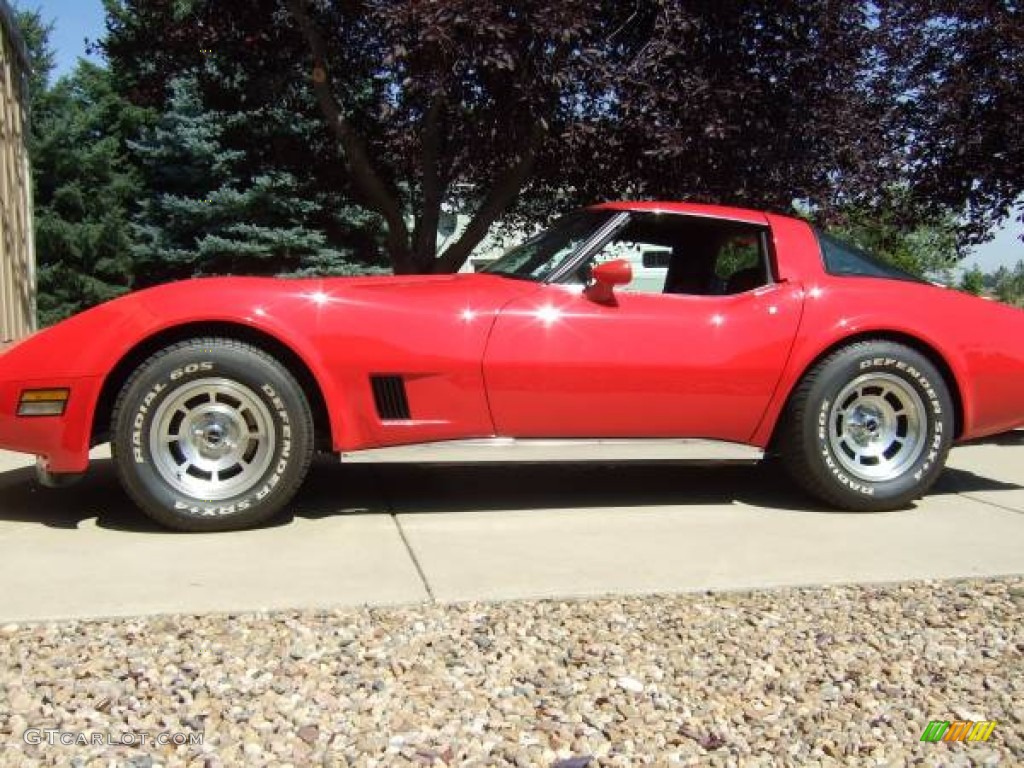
(43, 402)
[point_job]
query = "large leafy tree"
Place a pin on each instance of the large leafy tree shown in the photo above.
(755, 103)
(833, 104)
(414, 104)
(957, 70)
(467, 102)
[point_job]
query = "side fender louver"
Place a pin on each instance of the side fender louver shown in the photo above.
(390, 398)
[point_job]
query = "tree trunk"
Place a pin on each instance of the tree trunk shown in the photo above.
(415, 253)
(502, 194)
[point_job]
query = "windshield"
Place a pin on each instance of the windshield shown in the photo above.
(542, 254)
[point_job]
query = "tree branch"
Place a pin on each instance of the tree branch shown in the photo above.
(367, 180)
(425, 236)
(503, 192)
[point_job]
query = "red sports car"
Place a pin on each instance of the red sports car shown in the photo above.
(626, 331)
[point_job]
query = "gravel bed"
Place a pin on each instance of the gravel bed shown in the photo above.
(829, 676)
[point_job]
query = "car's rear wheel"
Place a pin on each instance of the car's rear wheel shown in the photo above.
(869, 428)
(212, 435)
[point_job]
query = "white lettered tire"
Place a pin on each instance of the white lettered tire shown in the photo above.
(869, 428)
(212, 435)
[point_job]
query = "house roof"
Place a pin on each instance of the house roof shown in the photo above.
(10, 28)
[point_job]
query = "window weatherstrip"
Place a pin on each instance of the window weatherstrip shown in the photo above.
(595, 242)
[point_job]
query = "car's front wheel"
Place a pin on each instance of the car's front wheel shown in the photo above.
(212, 435)
(869, 428)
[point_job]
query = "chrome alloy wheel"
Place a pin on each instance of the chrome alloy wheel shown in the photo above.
(877, 427)
(212, 439)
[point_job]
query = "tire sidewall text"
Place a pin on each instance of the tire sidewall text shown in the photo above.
(178, 370)
(937, 417)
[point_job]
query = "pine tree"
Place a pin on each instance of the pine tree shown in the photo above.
(85, 190)
(205, 214)
(42, 57)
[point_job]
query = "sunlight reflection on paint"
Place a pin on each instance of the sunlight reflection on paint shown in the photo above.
(260, 312)
(549, 315)
(773, 310)
(815, 293)
(319, 298)
(468, 315)
(717, 320)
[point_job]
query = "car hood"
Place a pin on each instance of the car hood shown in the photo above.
(295, 311)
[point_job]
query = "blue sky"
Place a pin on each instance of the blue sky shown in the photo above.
(1005, 249)
(76, 20)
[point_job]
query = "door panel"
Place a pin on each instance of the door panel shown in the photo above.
(654, 365)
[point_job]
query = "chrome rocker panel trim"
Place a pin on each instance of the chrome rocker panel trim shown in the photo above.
(499, 449)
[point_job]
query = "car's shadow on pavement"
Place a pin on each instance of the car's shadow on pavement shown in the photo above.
(432, 489)
(332, 490)
(1013, 438)
(97, 496)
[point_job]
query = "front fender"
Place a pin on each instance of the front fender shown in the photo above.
(81, 352)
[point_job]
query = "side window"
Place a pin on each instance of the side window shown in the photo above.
(649, 262)
(656, 258)
(844, 259)
(740, 264)
(682, 254)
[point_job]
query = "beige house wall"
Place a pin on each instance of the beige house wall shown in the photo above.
(17, 255)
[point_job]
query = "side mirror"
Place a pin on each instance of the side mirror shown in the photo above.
(604, 277)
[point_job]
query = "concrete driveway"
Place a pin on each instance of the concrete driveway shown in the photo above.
(392, 534)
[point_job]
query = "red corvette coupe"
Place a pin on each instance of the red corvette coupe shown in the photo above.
(627, 331)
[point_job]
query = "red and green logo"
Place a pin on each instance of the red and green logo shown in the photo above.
(958, 730)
